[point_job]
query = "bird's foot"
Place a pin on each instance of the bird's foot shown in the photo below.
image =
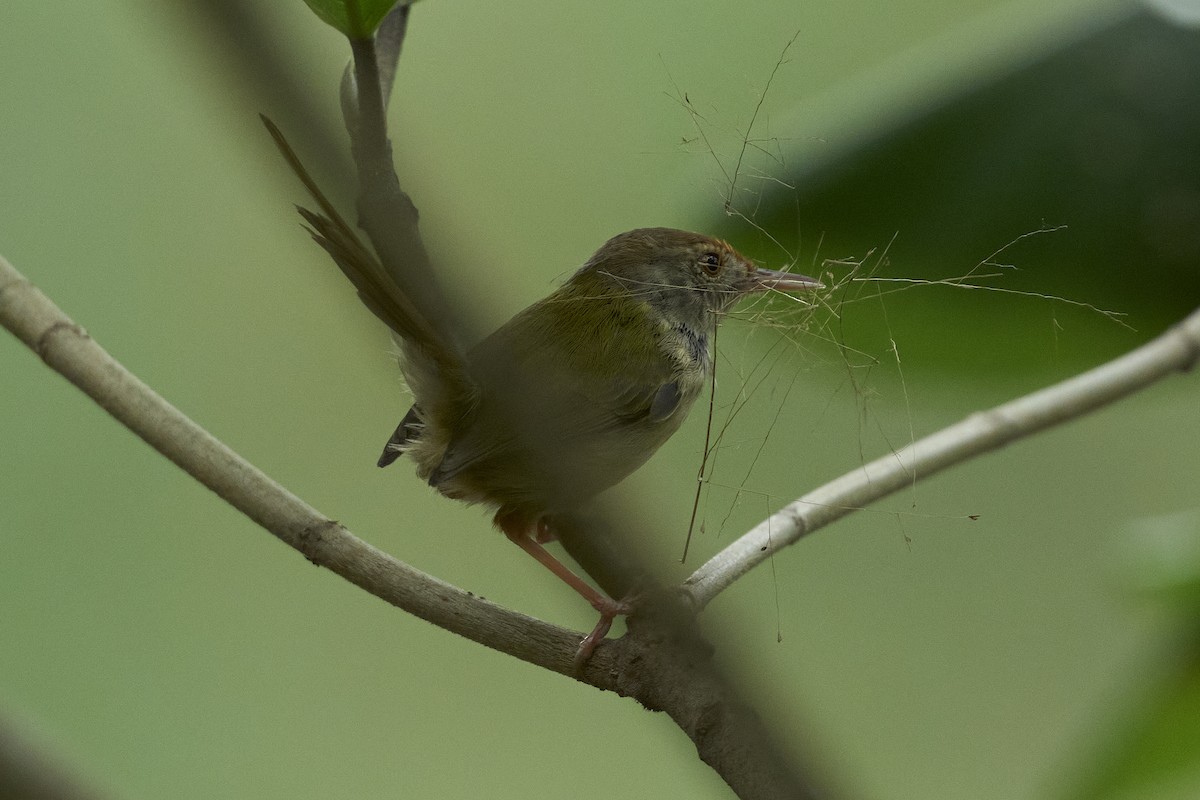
(609, 610)
(530, 535)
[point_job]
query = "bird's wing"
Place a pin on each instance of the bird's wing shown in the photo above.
(540, 396)
(540, 426)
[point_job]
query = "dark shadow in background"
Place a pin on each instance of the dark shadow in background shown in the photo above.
(1101, 135)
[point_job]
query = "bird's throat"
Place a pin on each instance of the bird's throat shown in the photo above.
(694, 345)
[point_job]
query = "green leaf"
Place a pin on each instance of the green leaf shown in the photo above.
(1159, 556)
(1154, 751)
(358, 19)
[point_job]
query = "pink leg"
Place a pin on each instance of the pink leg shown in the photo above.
(544, 532)
(529, 536)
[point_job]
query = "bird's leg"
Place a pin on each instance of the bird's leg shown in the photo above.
(544, 532)
(529, 536)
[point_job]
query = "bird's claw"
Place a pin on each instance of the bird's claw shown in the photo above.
(609, 610)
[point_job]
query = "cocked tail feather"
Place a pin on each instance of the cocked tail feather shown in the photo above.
(406, 431)
(433, 365)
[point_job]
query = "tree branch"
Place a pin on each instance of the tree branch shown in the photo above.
(66, 347)
(1177, 350)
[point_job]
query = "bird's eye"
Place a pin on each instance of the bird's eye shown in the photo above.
(711, 263)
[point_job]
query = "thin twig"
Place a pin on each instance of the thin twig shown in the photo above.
(762, 96)
(1177, 350)
(700, 475)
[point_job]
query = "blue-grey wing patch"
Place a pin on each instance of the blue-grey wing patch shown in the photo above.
(665, 401)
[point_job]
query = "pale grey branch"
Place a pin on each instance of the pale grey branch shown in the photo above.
(1176, 350)
(67, 348)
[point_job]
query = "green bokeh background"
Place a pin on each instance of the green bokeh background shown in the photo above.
(163, 646)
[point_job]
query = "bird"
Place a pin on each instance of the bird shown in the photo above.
(573, 393)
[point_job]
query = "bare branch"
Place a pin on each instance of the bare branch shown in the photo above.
(1177, 350)
(66, 347)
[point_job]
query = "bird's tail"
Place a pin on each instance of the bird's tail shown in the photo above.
(435, 367)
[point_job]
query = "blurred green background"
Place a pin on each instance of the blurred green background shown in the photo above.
(163, 646)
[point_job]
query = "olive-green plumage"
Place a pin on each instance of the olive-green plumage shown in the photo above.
(578, 390)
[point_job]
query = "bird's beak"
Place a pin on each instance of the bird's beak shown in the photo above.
(764, 280)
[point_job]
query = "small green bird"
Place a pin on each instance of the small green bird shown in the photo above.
(572, 394)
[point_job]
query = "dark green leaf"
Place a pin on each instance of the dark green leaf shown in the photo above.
(1154, 751)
